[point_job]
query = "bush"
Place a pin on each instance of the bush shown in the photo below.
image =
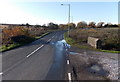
(21, 39)
(20, 34)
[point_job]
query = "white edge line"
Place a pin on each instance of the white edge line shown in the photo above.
(1, 73)
(69, 77)
(34, 51)
(68, 62)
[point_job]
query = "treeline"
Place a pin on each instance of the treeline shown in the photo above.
(84, 24)
(37, 30)
(81, 24)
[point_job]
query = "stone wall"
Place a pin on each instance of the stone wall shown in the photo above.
(94, 42)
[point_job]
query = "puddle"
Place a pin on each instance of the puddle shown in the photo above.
(57, 68)
(61, 48)
(97, 69)
(73, 53)
(62, 44)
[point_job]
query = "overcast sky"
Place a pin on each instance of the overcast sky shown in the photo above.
(37, 12)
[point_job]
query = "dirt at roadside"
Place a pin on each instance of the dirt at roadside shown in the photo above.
(87, 65)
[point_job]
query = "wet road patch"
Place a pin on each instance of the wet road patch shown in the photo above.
(97, 69)
(73, 53)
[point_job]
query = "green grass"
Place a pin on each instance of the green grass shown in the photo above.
(15, 45)
(72, 42)
(69, 40)
(38, 37)
(110, 51)
(10, 46)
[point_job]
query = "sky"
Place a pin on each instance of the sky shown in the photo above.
(39, 12)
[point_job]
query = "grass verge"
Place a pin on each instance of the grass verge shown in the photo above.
(72, 42)
(38, 37)
(15, 45)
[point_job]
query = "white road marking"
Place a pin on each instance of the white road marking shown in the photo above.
(85, 53)
(34, 51)
(49, 40)
(1, 73)
(69, 77)
(53, 36)
(68, 62)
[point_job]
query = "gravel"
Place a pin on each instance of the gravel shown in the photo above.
(108, 62)
(111, 66)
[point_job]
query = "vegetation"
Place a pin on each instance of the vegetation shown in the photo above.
(91, 24)
(23, 34)
(109, 37)
(77, 44)
(108, 33)
(17, 35)
(81, 24)
(65, 26)
(52, 26)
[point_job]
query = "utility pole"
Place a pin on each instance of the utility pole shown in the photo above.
(68, 17)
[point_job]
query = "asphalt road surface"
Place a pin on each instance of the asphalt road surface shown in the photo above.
(44, 59)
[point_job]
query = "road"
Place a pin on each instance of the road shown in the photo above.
(44, 59)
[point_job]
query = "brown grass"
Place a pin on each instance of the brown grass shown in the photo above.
(8, 33)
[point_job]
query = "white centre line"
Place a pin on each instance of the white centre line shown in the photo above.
(49, 40)
(53, 36)
(35, 51)
(69, 77)
(1, 73)
(68, 62)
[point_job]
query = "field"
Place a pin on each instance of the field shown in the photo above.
(108, 36)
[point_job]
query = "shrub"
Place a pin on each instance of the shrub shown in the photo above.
(21, 39)
(16, 31)
(20, 34)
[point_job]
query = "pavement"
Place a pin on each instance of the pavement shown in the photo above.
(44, 59)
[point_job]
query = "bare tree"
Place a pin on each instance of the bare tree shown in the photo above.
(71, 25)
(27, 24)
(81, 24)
(63, 26)
(100, 24)
(92, 24)
(118, 25)
(52, 26)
